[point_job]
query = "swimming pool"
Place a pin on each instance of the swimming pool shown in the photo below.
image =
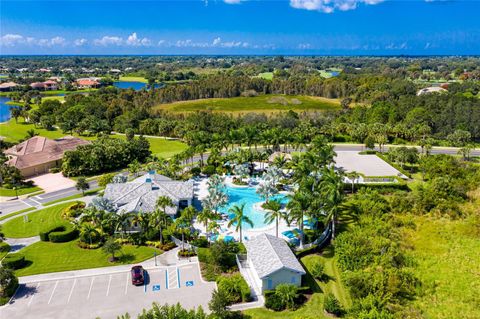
(248, 195)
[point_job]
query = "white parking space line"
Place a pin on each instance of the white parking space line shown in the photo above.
(172, 278)
(71, 290)
(109, 282)
(53, 291)
(33, 295)
(90, 290)
(126, 283)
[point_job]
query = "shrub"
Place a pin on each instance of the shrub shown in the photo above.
(73, 210)
(67, 234)
(331, 305)
(195, 171)
(235, 287)
(317, 269)
(8, 285)
(14, 261)
(44, 235)
(208, 170)
(186, 253)
(4, 247)
(200, 242)
(88, 246)
(274, 302)
(204, 255)
(288, 294)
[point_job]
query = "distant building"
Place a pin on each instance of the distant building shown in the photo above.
(87, 83)
(432, 89)
(8, 86)
(39, 154)
(269, 262)
(141, 194)
(48, 85)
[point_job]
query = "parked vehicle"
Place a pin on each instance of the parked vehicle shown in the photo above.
(138, 275)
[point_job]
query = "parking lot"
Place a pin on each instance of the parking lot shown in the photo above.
(109, 295)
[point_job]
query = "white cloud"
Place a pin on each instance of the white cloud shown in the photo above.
(329, 6)
(304, 46)
(232, 1)
(80, 42)
(108, 40)
(133, 40)
(11, 40)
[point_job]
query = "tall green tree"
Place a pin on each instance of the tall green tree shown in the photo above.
(239, 218)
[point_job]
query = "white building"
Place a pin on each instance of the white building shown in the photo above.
(141, 194)
(270, 262)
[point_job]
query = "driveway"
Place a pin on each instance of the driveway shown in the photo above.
(109, 295)
(52, 182)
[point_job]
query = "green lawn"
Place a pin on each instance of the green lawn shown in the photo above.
(17, 213)
(314, 307)
(265, 75)
(37, 221)
(7, 192)
(45, 257)
(259, 103)
(447, 253)
(133, 79)
(13, 132)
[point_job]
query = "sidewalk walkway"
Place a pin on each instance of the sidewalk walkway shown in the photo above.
(18, 243)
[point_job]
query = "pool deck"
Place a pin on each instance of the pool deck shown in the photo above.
(201, 191)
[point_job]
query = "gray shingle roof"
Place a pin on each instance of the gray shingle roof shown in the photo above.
(270, 254)
(142, 193)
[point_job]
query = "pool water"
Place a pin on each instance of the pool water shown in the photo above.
(137, 86)
(248, 195)
(4, 109)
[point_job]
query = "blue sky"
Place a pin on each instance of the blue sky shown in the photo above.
(336, 27)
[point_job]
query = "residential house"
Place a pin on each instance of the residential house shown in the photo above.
(141, 194)
(8, 86)
(38, 154)
(87, 83)
(268, 263)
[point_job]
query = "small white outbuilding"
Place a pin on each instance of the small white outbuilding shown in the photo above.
(271, 262)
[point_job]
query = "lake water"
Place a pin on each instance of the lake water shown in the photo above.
(4, 109)
(137, 86)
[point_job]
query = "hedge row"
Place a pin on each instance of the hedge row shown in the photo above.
(14, 261)
(4, 247)
(59, 234)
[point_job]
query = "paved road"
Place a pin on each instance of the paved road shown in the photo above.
(109, 295)
(36, 201)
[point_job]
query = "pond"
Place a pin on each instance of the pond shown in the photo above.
(137, 86)
(4, 109)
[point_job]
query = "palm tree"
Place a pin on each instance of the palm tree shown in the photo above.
(331, 189)
(353, 176)
(87, 230)
(273, 213)
(239, 218)
(299, 206)
(205, 216)
(266, 190)
(161, 220)
(163, 202)
(189, 213)
(121, 221)
(181, 225)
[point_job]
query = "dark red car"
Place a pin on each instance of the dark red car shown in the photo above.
(138, 275)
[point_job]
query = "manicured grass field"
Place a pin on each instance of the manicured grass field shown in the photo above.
(46, 257)
(261, 103)
(447, 253)
(133, 79)
(7, 192)
(13, 132)
(314, 307)
(37, 221)
(265, 75)
(17, 213)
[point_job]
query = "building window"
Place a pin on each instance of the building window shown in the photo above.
(269, 284)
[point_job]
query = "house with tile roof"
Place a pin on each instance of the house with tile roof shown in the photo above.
(141, 194)
(38, 154)
(269, 262)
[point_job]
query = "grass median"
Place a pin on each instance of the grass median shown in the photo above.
(46, 257)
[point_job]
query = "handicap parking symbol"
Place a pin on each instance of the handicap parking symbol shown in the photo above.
(189, 283)
(156, 288)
